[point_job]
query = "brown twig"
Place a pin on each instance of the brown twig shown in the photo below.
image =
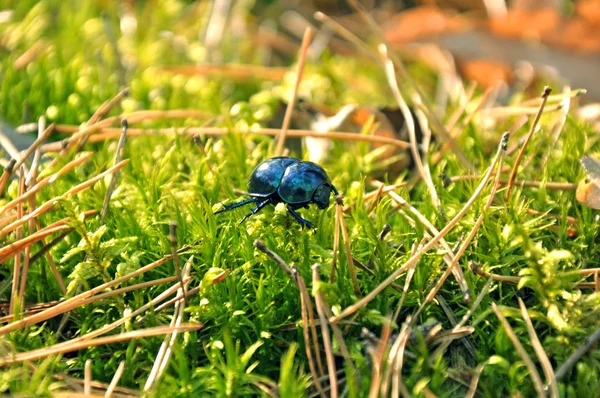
(513, 173)
(290, 107)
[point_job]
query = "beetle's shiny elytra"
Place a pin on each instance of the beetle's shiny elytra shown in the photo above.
(288, 180)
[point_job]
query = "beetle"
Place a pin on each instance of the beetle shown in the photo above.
(291, 181)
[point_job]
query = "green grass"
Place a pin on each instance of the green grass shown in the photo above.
(246, 340)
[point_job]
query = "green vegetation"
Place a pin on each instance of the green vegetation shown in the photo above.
(252, 334)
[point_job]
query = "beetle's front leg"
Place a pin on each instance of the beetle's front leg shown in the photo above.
(302, 221)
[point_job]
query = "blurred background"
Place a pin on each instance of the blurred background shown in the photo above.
(62, 59)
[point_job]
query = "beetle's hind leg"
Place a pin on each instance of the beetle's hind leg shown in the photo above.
(298, 217)
(255, 210)
(232, 206)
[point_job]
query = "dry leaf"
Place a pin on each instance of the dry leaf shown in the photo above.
(589, 193)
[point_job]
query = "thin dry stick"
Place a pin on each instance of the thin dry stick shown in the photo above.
(320, 300)
(333, 384)
(398, 360)
(474, 381)
(53, 350)
(535, 376)
(115, 380)
(290, 108)
(14, 248)
(164, 352)
(339, 206)
(67, 305)
(87, 378)
(133, 117)
(170, 302)
(539, 350)
(308, 321)
(410, 125)
(409, 276)
(336, 246)
(113, 180)
(14, 300)
(377, 356)
(467, 241)
(513, 173)
(478, 270)
(554, 97)
(390, 279)
(404, 75)
(46, 206)
(110, 293)
(34, 146)
(30, 181)
(455, 133)
(107, 328)
(108, 133)
(175, 257)
(588, 343)
(449, 256)
(45, 181)
(6, 175)
(553, 186)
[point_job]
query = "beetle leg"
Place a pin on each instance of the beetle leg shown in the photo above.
(305, 223)
(232, 206)
(255, 210)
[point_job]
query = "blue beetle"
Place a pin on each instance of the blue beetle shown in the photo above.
(288, 180)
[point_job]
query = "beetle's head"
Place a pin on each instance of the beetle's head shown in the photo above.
(322, 194)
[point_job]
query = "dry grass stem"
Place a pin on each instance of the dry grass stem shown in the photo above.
(320, 301)
(333, 383)
(539, 350)
(138, 334)
(113, 180)
(75, 190)
(475, 381)
(45, 181)
(409, 123)
(87, 378)
(175, 258)
(115, 380)
(33, 147)
(290, 107)
(587, 345)
(557, 186)
(339, 206)
(336, 245)
(513, 173)
(554, 97)
(14, 248)
(164, 353)
(442, 348)
(535, 376)
(14, 300)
